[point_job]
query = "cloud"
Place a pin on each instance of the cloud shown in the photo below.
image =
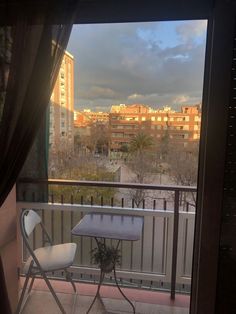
(121, 63)
(181, 99)
(135, 96)
(191, 30)
(97, 92)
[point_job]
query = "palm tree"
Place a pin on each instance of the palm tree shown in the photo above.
(140, 163)
(140, 143)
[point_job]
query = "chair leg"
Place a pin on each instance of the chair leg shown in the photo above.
(53, 292)
(23, 290)
(69, 278)
(31, 284)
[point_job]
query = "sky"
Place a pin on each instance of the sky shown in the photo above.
(153, 63)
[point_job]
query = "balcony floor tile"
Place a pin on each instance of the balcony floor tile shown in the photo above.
(41, 301)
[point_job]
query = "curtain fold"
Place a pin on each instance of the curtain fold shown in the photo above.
(31, 52)
(33, 69)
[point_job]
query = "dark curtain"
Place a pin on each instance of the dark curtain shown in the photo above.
(31, 51)
(35, 167)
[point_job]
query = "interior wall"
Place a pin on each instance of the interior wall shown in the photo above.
(8, 246)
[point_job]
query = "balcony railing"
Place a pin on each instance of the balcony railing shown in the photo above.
(162, 259)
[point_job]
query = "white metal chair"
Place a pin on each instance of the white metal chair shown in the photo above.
(45, 259)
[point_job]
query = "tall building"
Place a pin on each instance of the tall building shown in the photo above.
(180, 126)
(61, 130)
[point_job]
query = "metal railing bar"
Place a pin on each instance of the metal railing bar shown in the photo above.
(102, 209)
(185, 245)
(110, 184)
(175, 244)
(71, 225)
(164, 246)
(153, 240)
(142, 246)
(62, 226)
(52, 225)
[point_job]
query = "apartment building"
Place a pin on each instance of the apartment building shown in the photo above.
(61, 129)
(87, 117)
(125, 121)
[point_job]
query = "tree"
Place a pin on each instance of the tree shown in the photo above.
(141, 143)
(165, 145)
(86, 171)
(183, 164)
(140, 162)
(100, 138)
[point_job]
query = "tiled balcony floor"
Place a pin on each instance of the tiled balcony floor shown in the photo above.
(145, 302)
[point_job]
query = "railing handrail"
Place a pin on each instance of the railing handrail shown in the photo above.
(110, 184)
(106, 209)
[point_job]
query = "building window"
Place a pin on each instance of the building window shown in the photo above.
(153, 119)
(117, 135)
(143, 118)
(186, 118)
(158, 118)
(129, 135)
(165, 119)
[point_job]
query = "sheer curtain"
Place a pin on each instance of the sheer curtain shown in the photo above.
(31, 51)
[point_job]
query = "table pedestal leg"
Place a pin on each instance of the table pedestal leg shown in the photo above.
(98, 289)
(123, 292)
(102, 274)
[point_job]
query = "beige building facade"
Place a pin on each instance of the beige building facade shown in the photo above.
(61, 129)
(181, 127)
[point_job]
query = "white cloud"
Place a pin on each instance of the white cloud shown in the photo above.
(135, 96)
(114, 65)
(181, 99)
(190, 30)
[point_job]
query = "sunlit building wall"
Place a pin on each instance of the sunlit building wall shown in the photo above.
(61, 129)
(180, 127)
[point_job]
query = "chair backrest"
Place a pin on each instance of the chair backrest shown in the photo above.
(29, 220)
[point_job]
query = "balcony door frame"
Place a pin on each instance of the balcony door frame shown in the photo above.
(216, 97)
(216, 94)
